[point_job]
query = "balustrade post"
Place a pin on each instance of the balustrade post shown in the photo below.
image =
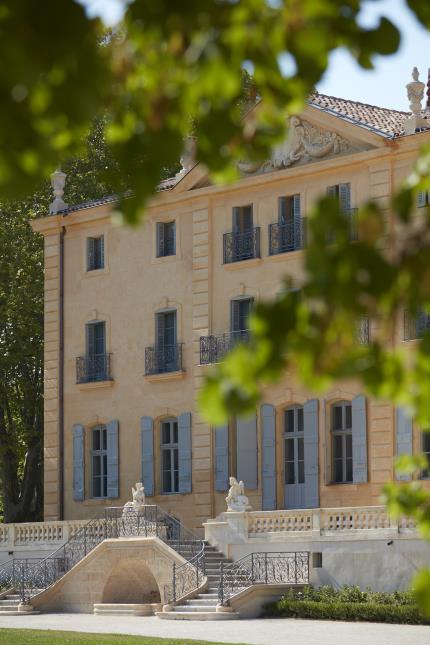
(11, 536)
(295, 566)
(252, 568)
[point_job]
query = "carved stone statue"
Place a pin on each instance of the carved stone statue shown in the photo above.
(304, 143)
(58, 181)
(236, 498)
(138, 499)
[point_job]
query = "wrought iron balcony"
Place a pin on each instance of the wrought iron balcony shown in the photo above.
(90, 369)
(287, 237)
(163, 359)
(214, 348)
(241, 246)
(416, 326)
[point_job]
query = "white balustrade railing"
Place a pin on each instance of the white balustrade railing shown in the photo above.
(34, 534)
(325, 520)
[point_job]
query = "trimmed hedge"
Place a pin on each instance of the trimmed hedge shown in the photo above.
(348, 603)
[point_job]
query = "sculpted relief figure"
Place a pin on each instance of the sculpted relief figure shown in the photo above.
(304, 143)
(138, 502)
(236, 498)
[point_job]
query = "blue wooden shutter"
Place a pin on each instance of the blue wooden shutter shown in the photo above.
(147, 454)
(403, 438)
(102, 252)
(422, 198)
(268, 418)
(160, 239)
(78, 463)
(184, 441)
(310, 429)
(345, 197)
(221, 458)
(297, 222)
(112, 459)
(246, 449)
(359, 440)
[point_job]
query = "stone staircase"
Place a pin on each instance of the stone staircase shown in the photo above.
(9, 605)
(203, 605)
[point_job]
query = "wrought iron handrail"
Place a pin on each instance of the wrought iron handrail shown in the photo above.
(213, 348)
(163, 359)
(92, 368)
(29, 576)
(241, 246)
(262, 568)
(152, 520)
(288, 236)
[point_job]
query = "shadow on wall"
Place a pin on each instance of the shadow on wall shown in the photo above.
(131, 581)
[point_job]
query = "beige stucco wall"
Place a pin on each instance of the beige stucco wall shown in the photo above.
(134, 284)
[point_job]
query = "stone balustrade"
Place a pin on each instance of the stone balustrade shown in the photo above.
(34, 534)
(325, 520)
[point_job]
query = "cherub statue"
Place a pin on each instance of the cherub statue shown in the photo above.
(138, 496)
(236, 498)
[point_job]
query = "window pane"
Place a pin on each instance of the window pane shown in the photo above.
(104, 465)
(348, 416)
(176, 459)
(337, 417)
(166, 481)
(176, 482)
(348, 439)
(96, 439)
(426, 441)
(289, 472)
(301, 465)
(300, 449)
(165, 433)
(337, 447)
(289, 449)
(289, 421)
(175, 432)
(337, 470)
(97, 487)
(166, 460)
(300, 419)
(104, 434)
(349, 470)
(97, 467)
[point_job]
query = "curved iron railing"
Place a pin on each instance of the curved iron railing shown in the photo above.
(241, 246)
(30, 576)
(163, 359)
(213, 348)
(93, 368)
(290, 236)
(262, 568)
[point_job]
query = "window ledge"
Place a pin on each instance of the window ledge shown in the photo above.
(242, 264)
(290, 255)
(165, 376)
(95, 385)
(162, 259)
(93, 273)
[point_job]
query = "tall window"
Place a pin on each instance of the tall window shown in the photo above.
(96, 338)
(166, 239)
(341, 192)
(169, 456)
(294, 452)
(242, 219)
(426, 450)
(341, 426)
(423, 198)
(95, 253)
(99, 461)
(291, 234)
(240, 312)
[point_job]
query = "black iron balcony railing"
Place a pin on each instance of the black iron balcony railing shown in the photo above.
(163, 359)
(416, 326)
(241, 246)
(287, 237)
(214, 348)
(93, 368)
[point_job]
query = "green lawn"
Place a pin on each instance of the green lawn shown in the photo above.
(50, 637)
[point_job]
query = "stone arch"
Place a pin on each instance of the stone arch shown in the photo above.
(130, 581)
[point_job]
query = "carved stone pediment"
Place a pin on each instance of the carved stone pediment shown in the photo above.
(304, 143)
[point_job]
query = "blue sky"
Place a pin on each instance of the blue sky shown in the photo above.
(385, 85)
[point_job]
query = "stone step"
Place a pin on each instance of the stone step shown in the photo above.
(195, 615)
(202, 600)
(19, 613)
(195, 608)
(213, 595)
(126, 609)
(12, 596)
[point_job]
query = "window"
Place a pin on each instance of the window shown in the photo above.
(416, 326)
(169, 456)
(423, 198)
(99, 461)
(240, 312)
(96, 363)
(95, 253)
(294, 450)
(96, 338)
(166, 239)
(341, 192)
(426, 451)
(242, 219)
(341, 427)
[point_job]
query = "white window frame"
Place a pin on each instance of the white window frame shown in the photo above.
(297, 435)
(102, 455)
(171, 447)
(344, 433)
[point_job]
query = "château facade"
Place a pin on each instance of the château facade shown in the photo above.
(134, 319)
